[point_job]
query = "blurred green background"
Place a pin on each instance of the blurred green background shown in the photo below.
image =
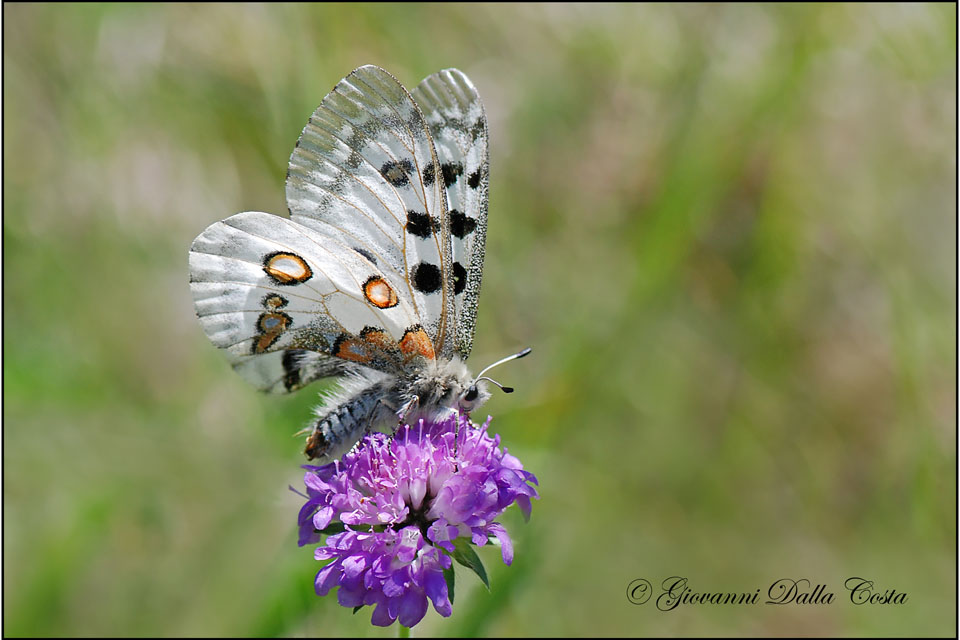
(727, 231)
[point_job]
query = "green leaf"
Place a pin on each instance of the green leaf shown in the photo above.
(465, 555)
(334, 527)
(449, 576)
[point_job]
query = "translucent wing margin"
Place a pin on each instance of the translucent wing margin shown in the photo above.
(365, 165)
(452, 107)
(288, 369)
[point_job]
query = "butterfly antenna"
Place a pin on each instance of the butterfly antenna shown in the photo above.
(503, 388)
(499, 362)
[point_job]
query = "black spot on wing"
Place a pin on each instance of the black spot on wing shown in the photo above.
(356, 143)
(430, 174)
(478, 128)
(397, 173)
(474, 179)
(366, 254)
(426, 277)
(459, 278)
(451, 171)
(421, 225)
(460, 224)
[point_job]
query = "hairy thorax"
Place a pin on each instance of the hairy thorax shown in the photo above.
(436, 388)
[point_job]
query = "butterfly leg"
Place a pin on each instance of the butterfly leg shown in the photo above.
(409, 408)
(373, 417)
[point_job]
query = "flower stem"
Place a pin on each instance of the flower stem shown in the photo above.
(402, 631)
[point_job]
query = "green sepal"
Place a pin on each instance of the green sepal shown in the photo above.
(465, 555)
(332, 528)
(449, 576)
(357, 608)
(339, 527)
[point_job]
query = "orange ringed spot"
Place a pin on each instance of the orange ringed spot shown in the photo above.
(263, 342)
(416, 342)
(274, 302)
(378, 339)
(379, 293)
(269, 327)
(287, 268)
(351, 349)
(273, 322)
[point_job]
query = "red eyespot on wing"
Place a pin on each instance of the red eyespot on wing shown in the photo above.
(269, 327)
(287, 268)
(351, 349)
(273, 301)
(378, 339)
(379, 293)
(416, 342)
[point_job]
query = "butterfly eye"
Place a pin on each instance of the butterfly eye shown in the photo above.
(471, 394)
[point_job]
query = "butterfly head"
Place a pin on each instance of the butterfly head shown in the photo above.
(450, 386)
(472, 396)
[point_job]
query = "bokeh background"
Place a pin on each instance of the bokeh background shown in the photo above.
(727, 231)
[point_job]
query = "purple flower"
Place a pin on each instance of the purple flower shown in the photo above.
(400, 507)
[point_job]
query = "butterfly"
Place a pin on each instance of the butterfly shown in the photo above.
(375, 276)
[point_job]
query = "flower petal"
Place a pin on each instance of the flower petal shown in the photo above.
(353, 566)
(395, 584)
(322, 518)
(327, 578)
(381, 615)
(435, 587)
(348, 597)
(506, 544)
(525, 507)
(420, 489)
(413, 606)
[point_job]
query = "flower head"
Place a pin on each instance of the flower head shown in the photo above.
(400, 505)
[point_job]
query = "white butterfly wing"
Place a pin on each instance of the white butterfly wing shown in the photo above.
(453, 110)
(267, 289)
(381, 262)
(365, 171)
(288, 369)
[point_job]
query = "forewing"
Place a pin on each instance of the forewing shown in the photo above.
(365, 166)
(263, 284)
(458, 123)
